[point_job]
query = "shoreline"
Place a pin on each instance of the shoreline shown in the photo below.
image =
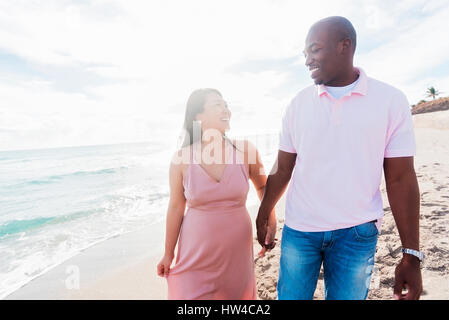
(93, 264)
(122, 267)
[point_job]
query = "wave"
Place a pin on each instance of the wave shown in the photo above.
(57, 178)
(101, 171)
(17, 226)
(85, 173)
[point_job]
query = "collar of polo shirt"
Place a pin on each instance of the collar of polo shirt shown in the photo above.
(360, 88)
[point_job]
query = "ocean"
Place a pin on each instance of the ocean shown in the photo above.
(56, 202)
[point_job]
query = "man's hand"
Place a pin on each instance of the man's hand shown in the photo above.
(270, 233)
(270, 240)
(276, 184)
(408, 276)
(403, 196)
(261, 225)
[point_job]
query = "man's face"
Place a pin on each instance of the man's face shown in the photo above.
(322, 58)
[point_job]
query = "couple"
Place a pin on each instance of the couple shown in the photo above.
(338, 135)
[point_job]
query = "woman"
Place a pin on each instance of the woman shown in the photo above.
(210, 174)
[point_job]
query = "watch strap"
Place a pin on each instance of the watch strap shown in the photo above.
(418, 254)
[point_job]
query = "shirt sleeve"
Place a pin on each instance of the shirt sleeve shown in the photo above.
(400, 134)
(286, 142)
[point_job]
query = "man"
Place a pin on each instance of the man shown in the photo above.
(338, 135)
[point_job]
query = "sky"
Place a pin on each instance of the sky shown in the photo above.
(100, 72)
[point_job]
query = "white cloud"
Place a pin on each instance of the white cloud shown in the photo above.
(410, 53)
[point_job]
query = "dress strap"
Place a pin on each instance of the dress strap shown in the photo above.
(241, 164)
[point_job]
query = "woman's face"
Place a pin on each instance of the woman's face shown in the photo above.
(216, 114)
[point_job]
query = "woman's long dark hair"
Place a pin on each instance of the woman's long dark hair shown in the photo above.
(195, 105)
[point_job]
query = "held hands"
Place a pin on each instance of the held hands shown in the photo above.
(266, 232)
(408, 276)
(163, 266)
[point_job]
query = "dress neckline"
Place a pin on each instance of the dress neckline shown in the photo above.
(223, 174)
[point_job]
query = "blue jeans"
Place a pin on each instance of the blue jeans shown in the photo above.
(347, 256)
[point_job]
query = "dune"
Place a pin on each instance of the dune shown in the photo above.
(431, 106)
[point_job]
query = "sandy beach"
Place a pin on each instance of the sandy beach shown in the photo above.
(125, 267)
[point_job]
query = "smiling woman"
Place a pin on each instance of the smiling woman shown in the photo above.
(215, 257)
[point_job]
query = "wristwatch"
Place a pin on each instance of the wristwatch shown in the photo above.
(418, 254)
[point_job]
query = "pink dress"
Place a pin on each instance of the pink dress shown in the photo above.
(215, 258)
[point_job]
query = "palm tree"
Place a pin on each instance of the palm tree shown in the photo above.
(432, 92)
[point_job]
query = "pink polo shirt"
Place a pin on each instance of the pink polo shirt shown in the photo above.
(340, 146)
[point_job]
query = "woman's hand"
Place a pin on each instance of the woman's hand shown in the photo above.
(163, 266)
